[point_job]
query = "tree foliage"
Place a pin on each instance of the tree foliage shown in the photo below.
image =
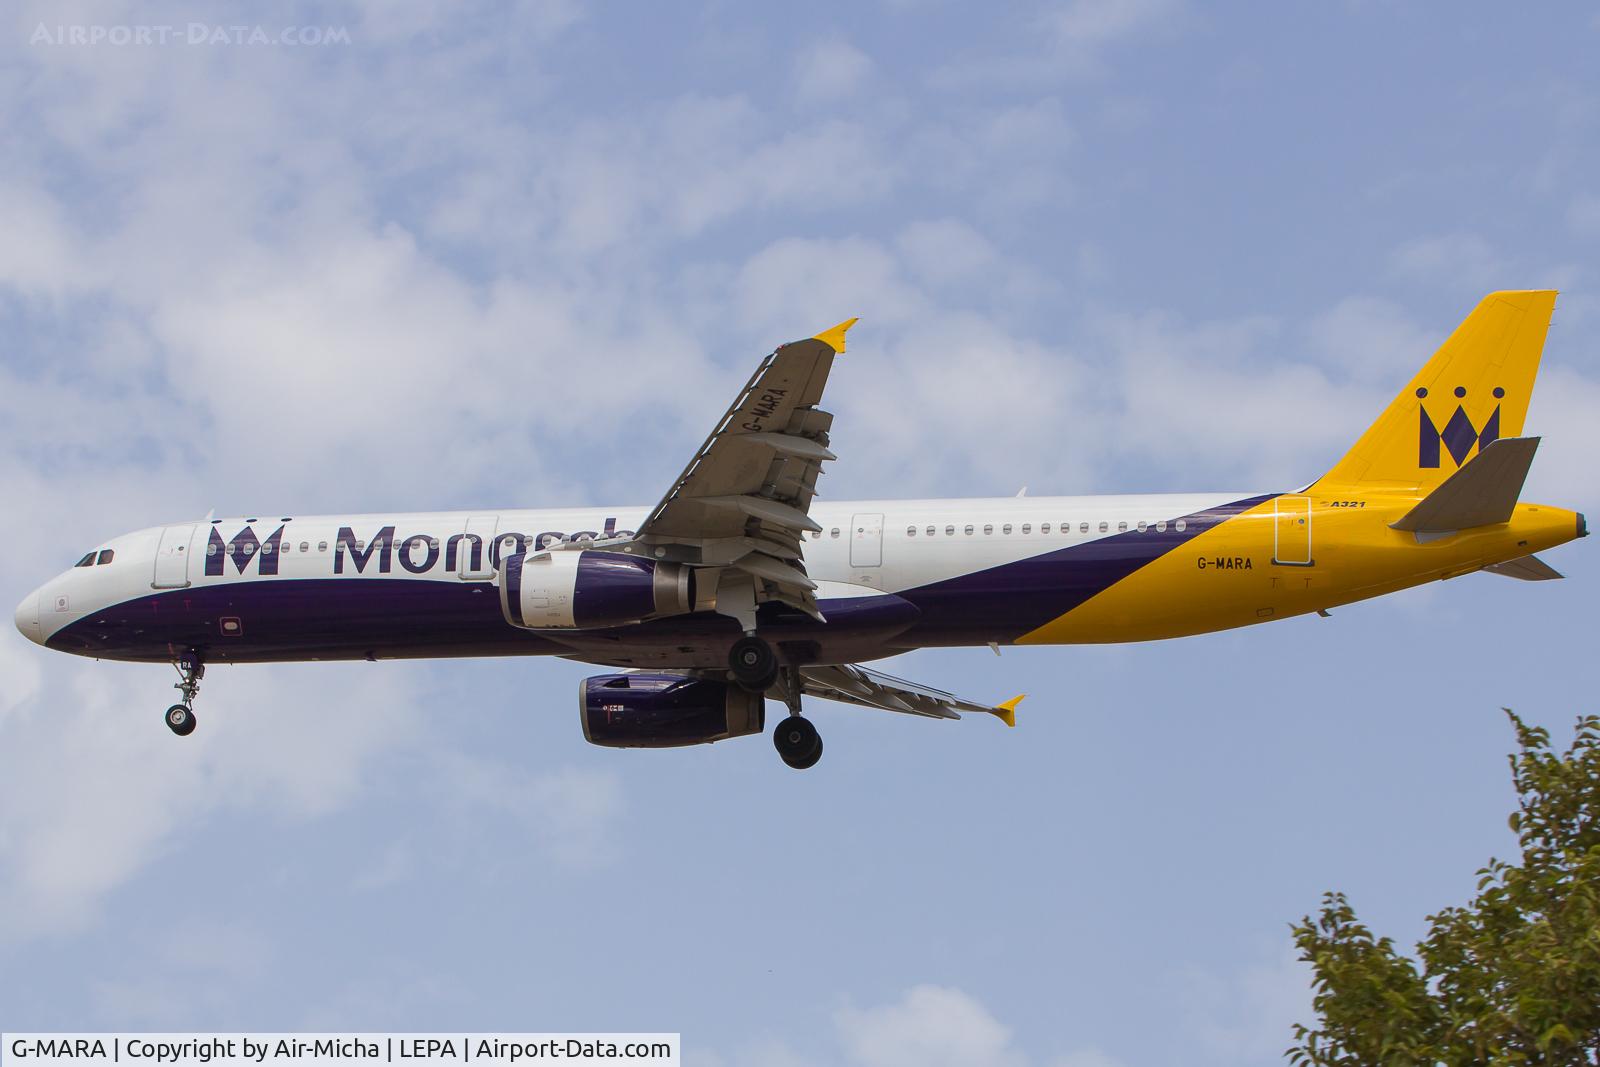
(1511, 978)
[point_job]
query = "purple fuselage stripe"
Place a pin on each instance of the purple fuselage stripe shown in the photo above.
(1005, 602)
(357, 617)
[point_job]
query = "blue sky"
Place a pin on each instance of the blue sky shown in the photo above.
(486, 256)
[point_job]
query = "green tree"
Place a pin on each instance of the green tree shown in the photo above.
(1511, 978)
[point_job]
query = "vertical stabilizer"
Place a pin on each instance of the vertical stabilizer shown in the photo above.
(1473, 392)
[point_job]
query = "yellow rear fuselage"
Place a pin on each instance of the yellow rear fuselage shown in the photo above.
(1292, 555)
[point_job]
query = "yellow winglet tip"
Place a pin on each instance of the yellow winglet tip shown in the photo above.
(834, 338)
(1007, 712)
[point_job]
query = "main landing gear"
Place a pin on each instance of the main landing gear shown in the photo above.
(754, 666)
(180, 717)
(797, 742)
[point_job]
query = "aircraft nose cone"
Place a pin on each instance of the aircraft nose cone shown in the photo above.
(27, 618)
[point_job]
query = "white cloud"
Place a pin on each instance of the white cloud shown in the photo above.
(1583, 214)
(38, 259)
(930, 1026)
(927, 1026)
(66, 839)
(1072, 39)
(1182, 386)
(623, 185)
(1008, 158)
(1455, 259)
(535, 21)
(1090, 1057)
(1372, 339)
(1562, 413)
(946, 251)
(998, 403)
(796, 281)
(264, 291)
(390, 996)
(196, 965)
(1090, 24)
(19, 675)
(830, 71)
(568, 811)
(295, 742)
(255, 338)
(1248, 1015)
(1148, 386)
(396, 864)
(766, 1053)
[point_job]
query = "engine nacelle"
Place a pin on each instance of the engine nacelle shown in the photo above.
(647, 710)
(583, 590)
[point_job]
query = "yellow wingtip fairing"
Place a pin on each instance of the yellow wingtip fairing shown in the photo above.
(834, 338)
(1007, 712)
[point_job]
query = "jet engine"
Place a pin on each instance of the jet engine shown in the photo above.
(645, 710)
(582, 590)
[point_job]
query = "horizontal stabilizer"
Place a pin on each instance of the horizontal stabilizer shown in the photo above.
(1527, 568)
(1482, 493)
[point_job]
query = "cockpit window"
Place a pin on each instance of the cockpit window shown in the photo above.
(86, 561)
(106, 556)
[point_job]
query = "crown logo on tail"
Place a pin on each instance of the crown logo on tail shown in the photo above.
(1459, 434)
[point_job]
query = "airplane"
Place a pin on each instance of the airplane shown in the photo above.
(738, 586)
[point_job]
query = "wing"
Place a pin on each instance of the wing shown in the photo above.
(870, 689)
(743, 500)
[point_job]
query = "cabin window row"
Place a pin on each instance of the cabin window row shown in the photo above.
(1026, 528)
(967, 529)
(288, 547)
(1065, 528)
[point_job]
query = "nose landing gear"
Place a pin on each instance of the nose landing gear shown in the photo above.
(180, 717)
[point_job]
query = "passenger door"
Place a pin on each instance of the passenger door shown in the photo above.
(866, 539)
(172, 557)
(1291, 545)
(472, 550)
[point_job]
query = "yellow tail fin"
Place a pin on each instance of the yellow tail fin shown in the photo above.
(1474, 391)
